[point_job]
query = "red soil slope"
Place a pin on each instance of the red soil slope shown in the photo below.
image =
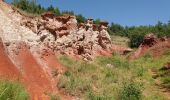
(7, 68)
(156, 50)
(38, 78)
(37, 81)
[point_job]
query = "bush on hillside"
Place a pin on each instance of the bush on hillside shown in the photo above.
(130, 91)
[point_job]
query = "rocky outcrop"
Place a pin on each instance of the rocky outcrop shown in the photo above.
(152, 45)
(149, 40)
(63, 34)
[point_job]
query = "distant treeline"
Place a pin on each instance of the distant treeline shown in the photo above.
(134, 33)
(30, 6)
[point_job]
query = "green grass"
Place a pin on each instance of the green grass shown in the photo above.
(164, 77)
(106, 77)
(10, 90)
(130, 91)
(54, 97)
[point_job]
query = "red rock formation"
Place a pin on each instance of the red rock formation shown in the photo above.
(81, 25)
(153, 45)
(47, 15)
(36, 79)
(7, 68)
(149, 40)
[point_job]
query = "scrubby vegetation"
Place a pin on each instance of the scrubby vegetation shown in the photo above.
(112, 78)
(10, 90)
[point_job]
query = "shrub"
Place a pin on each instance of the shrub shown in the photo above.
(130, 91)
(135, 39)
(80, 18)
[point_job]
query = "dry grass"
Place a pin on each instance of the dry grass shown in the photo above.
(118, 40)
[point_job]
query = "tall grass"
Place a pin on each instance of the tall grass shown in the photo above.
(10, 90)
(106, 78)
(164, 76)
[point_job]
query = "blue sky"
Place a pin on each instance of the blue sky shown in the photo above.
(124, 12)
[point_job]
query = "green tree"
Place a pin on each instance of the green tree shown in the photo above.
(117, 29)
(80, 18)
(57, 12)
(51, 9)
(97, 21)
(28, 6)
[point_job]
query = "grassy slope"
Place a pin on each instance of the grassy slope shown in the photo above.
(106, 78)
(10, 90)
(164, 76)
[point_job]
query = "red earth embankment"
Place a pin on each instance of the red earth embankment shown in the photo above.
(37, 81)
(7, 68)
(153, 46)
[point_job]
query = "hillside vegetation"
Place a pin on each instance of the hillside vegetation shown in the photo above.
(112, 78)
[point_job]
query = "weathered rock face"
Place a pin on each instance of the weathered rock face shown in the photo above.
(149, 40)
(152, 45)
(62, 34)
